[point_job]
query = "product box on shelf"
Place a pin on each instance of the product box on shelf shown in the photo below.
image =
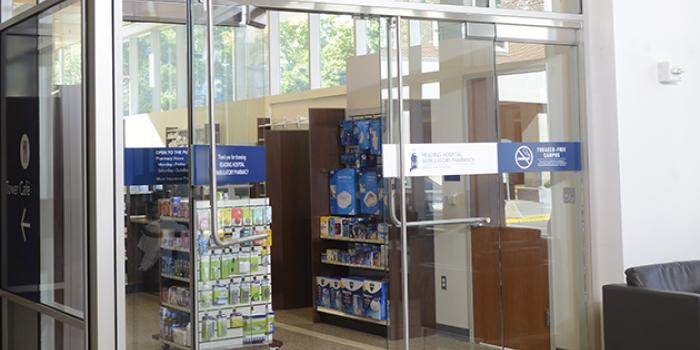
(358, 160)
(343, 192)
(371, 193)
(375, 136)
(361, 134)
(323, 292)
(374, 298)
(336, 294)
(352, 295)
(347, 133)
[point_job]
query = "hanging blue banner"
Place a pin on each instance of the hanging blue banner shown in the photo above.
(539, 156)
(170, 166)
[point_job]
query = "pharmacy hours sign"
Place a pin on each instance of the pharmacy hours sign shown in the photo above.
(20, 236)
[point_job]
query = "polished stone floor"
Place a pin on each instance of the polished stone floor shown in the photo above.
(295, 329)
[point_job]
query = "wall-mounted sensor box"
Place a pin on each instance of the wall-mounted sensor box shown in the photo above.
(670, 74)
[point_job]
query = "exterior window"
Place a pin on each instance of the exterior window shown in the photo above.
(294, 52)
(168, 69)
(337, 45)
(126, 82)
(146, 73)
(223, 63)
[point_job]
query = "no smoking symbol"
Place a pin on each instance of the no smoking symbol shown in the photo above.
(524, 157)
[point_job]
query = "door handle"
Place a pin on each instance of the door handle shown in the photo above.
(475, 221)
(213, 204)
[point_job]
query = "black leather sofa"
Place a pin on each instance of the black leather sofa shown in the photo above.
(658, 308)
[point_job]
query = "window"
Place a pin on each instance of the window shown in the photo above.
(373, 36)
(168, 69)
(126, 82)
(145, 73)
(223, 63)
(337, 45)
(294, 52)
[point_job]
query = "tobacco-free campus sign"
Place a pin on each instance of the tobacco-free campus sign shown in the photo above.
(20, 234)
(539, 157)
(170, 166)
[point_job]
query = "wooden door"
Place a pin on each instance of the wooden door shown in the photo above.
(519, 271)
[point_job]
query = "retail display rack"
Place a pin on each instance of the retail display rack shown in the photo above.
(232, 284)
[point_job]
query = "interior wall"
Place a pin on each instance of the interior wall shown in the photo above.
(293, 106)
(602, 158)
(658, 129)
(237, 119)
(642, 136)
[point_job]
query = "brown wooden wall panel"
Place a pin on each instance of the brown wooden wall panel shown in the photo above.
(288, 189)
(324, 155)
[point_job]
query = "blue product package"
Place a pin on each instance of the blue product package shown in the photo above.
(374, 299)
(336, 294)
(371, 193)
(358, 160)
(323, 292)
(343, 192)
(347, 133)
(375, 136)
(361, 133)
(352, 296)
(349, 159)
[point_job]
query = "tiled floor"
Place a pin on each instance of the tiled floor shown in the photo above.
(295, 329)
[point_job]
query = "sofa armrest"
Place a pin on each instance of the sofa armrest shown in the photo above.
(639, 318)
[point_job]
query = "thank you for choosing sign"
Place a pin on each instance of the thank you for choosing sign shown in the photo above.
(20, 197)
(170, 166)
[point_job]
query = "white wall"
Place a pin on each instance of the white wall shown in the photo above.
(642, 135)
(659, 129)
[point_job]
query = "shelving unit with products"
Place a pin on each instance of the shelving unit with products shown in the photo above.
(232, 284)
(350, 239)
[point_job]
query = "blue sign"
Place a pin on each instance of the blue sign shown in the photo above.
(539, 157)
(156, 166)
(235, 164)
(170, 166)
(20, 202)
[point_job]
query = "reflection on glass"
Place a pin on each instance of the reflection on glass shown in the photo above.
(43, 195)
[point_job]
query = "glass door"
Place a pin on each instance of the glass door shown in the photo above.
(231, 280)
(486, 193)
(543, 239)
(441, 121)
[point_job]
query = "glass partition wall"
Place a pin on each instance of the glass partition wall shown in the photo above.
(43, 221)
(234, 113)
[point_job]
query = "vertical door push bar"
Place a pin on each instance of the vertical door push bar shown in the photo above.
(213, 205)
(474, 221)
